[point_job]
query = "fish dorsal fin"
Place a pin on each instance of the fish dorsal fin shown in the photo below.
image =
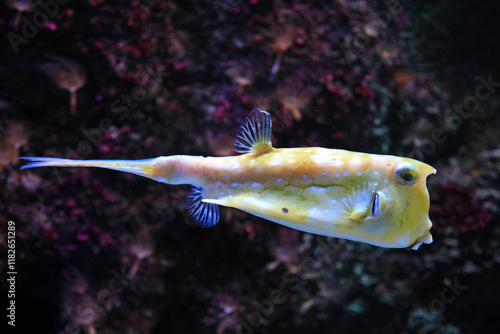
(255, 133)
(203, 213)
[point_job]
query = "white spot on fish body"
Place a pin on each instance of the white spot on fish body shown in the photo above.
(321, 159)
(337, 163)
(355, 162)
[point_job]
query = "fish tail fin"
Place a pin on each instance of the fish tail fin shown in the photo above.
(171, 170)
(144, 168)
(174, 169)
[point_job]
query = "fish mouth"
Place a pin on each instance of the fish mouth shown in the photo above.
(425, 239)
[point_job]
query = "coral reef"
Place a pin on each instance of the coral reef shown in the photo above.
(453, 209)
(103, 252)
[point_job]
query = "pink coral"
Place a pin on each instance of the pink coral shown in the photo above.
(453, 208)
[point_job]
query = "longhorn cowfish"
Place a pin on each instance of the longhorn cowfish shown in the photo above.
(376, 199)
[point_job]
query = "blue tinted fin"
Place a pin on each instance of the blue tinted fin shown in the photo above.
(255, 133)
(203, 213)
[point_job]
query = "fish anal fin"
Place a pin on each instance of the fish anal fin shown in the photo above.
(254, 135)
(202, 212)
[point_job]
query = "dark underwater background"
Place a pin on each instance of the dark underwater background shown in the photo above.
(99, 251)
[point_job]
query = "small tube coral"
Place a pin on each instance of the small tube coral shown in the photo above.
(142, 248)
(79, 306)
(68, 75)
(84, 311)
(283, 40)
(293, 99)
(14, 138)
(21, 6)
(75, 281)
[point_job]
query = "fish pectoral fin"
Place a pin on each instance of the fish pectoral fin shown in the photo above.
(254, 135)
(203, 212)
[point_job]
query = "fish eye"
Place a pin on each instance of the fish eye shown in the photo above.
(407, 173)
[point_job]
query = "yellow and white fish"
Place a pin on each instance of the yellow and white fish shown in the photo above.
(377, 199)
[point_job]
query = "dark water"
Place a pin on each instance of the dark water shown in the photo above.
(99, 251)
